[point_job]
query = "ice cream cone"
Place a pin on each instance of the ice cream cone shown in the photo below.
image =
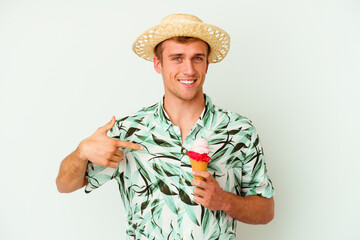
(198, 166)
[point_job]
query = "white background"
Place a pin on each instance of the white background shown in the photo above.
(66, 67)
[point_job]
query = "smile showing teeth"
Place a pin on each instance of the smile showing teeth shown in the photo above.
(187, 81)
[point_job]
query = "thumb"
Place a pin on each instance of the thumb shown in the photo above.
(108, 126)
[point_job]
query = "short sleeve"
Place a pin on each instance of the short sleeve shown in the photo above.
(255, 180)
(99, 175)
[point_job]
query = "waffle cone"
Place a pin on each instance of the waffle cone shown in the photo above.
(198, 166)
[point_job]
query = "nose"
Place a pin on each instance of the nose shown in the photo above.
(188, 68)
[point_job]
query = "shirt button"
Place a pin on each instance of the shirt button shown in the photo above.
(184, 150)
(183, 179)
(181, 236)
(181, 208)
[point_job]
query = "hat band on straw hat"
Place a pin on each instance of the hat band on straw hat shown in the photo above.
(183, 25)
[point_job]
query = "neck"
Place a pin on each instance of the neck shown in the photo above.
(184, 112)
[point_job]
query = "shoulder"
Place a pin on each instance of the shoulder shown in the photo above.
(232, 121)
(240, 128)
(139, 116)
(133, 122)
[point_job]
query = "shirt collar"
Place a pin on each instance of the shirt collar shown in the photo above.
(164, 118)
(206, 114)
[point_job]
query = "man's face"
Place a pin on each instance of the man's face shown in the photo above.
(183, 67)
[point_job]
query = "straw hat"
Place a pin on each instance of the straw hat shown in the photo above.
(186, 25)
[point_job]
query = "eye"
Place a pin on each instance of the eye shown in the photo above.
(176, 58)
(198, 59)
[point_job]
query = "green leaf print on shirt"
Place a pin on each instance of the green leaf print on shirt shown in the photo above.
(154, 183)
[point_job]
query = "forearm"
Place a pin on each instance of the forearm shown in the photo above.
(250, 209)
(72, 173)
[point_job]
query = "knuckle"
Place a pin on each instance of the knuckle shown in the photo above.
(108, 155)
(113, 143)
(113, 149)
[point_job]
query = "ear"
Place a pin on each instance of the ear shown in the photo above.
(157, 65)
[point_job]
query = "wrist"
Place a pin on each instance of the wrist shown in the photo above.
(227, 202)
(79, 153)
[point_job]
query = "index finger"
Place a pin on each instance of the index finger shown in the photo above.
(203, 174)
(130, 145)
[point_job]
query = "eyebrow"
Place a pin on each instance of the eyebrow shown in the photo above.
(181, 54)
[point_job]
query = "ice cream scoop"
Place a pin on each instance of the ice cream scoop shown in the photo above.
(198, 155)
(200, 146)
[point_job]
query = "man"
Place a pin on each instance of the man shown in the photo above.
(157, 186)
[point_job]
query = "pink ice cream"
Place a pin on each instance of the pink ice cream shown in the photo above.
(199, 150)
(200, 146)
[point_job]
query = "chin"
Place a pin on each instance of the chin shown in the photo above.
(189, 97)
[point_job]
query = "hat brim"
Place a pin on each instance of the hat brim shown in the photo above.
(216, 37)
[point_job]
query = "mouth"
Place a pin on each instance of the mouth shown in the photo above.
(188, 83)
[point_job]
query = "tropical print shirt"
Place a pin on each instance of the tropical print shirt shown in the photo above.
(155, 184)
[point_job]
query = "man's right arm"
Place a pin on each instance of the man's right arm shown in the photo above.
(72, 173)
(98, 149)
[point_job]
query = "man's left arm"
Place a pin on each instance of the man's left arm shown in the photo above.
(251, 209)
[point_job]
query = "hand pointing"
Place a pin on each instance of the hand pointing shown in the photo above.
(103, 150)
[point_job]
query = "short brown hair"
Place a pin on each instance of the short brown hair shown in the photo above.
(159, 49)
